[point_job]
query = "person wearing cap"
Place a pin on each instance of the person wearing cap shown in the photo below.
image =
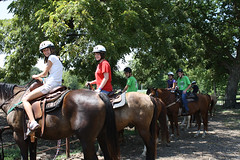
(184, 85)
(171, 82)
(132, 85)
(195, 87)
(103, 75)
(54, 71)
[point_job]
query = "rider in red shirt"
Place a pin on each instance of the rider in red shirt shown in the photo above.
(103, 75)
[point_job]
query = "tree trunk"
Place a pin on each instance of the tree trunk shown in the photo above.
(232, 87)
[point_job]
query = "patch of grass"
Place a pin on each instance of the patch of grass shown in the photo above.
(130, 131)
(11, 153)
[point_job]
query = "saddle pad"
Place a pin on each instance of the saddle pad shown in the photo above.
(50, 106)
(121, 103)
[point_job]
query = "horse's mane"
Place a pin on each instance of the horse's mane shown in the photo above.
(6, 90)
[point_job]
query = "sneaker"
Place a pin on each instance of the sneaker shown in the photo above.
(34, 125)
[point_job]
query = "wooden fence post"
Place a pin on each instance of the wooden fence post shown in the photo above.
(67, 148)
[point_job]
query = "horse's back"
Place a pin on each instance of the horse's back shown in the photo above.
(84, 108)
(139, 106)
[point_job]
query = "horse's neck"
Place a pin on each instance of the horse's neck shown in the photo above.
(166, 96)
(14, 100)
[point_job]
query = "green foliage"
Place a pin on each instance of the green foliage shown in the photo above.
(11, 153)
(71, 81)
(202, 37)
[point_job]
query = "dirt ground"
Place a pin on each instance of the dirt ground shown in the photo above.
(222, 142)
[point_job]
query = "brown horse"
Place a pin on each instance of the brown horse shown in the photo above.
(84, 113)
(142, 111)
(197, 108)
(172, 105)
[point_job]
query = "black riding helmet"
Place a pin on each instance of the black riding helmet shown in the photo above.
(179, 70)
(127, 69)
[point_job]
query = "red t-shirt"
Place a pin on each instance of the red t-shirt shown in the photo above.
(103, 67)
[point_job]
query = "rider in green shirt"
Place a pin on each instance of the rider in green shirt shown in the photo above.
(183, 84)
(131, 85)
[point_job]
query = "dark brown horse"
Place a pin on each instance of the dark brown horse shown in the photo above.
(197, 108)
(84, 113)
(142, 111)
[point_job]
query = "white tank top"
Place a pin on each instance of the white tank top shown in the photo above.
(55, 72)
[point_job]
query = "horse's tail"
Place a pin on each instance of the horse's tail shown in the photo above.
(153, 128)
(211, 106)
(111, 129)
(163, 124)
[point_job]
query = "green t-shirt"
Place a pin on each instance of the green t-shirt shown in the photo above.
(132, 84)
(183, 83)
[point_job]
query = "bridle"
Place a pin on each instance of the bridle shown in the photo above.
(169, 105)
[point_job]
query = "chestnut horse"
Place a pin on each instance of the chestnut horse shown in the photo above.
(84, 113)
(172, 105)
(197, 108)
(142, 111)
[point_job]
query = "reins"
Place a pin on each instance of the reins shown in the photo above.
(173, 103)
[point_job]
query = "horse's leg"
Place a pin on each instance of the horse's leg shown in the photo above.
(183, 122)
(33, 149)
(23, 145)
(88, 149)
(175, 118)
(171, 124)
(188, 122)
(198, 119)
(205, 123)
(146, 136)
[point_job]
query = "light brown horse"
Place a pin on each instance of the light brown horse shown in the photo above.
(142, 111)
(197, 108)
(84, 113)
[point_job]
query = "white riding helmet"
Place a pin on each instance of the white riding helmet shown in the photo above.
(99, 48)
(45, 44)
(171, 73)
(194, 82)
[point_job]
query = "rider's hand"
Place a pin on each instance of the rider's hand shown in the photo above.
(98, 90)
(86, 84)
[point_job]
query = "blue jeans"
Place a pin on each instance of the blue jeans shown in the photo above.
(184, 100)
(105, 92)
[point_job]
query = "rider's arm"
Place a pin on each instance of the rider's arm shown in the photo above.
(125, 88)
(105, 79)
(174, 85)
(187, 88)
(44, 73)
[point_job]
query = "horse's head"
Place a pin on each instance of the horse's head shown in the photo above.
(151, 92)
(6, 91)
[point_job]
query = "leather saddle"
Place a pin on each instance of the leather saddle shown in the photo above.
(118, 99)
(47, 102)
(192, 97)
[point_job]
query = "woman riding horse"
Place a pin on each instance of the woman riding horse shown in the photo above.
(55, 69)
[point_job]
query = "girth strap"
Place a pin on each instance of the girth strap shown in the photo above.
(43, 116)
